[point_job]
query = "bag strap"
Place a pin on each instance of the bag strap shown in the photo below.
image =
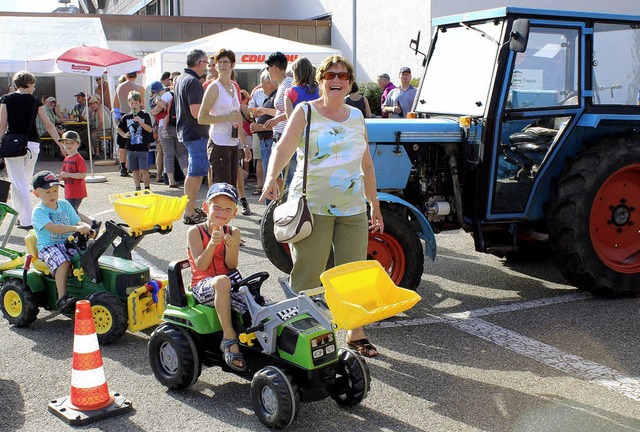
(306, 149)
(306, 153)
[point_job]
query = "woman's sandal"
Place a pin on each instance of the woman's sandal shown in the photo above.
(229, 357)
(364, 347)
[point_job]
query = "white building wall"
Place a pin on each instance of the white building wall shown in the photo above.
(383, 29)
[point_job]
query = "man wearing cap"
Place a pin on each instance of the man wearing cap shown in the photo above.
(400, 100)
(188, 98)
(384, 82)
(99, 122)
(81, 105)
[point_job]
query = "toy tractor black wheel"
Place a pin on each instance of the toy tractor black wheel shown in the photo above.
(109, 315)
(174, 357)
(353, 381)
(275, 397)
(18, 303)
(398, 249)
(594, 217)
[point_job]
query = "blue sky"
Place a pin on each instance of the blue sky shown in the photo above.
(32, 5)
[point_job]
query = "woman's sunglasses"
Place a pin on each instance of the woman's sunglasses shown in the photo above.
(341, 75)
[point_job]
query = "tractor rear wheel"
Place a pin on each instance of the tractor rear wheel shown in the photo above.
(594, 217)
(174, 357)
(18, 303)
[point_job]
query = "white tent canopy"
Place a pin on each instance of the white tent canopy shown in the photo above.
(251, 50)
(26, 38)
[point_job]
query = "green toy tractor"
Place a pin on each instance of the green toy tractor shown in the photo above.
(289, 349)
(122, 294)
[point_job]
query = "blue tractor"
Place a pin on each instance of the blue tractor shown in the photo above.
(527, 136)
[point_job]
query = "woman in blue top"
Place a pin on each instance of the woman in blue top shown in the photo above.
(305, 87)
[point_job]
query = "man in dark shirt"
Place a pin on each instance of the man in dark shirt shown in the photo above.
(188, 98)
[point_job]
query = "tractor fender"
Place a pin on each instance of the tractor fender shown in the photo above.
(34, 280)
(425, 233)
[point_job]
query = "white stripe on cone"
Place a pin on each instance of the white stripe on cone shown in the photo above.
(84, 344)
(87, 379)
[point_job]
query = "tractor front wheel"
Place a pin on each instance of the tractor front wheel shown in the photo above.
(276, 400)
(109, 315)
(353, 381)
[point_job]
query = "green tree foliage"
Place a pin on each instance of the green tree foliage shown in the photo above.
(372, 92)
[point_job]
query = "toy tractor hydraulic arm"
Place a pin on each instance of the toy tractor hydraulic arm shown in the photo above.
(128, 242)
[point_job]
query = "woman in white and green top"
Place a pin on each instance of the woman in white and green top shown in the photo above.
(340, 180)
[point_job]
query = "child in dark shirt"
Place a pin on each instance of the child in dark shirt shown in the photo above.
(136, 130)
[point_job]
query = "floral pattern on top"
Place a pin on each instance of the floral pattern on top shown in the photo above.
(335, 180)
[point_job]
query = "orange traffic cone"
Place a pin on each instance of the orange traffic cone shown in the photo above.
(90, 399)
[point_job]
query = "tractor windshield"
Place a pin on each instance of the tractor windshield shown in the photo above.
(460, 70)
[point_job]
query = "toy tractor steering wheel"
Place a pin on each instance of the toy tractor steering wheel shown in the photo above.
(253, 282)
(78, 240)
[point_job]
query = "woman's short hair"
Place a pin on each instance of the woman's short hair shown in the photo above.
(22, 79)
(354, 87)
(332, 61)
(225, 53)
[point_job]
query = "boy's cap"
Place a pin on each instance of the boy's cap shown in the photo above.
(50, 99)
(156, 87)
(45, 180)
(384, 75)
(80, 94)
(223, 189)
(405, 69)
(276, 57)
(70, 136)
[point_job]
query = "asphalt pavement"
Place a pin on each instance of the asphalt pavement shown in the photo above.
(492, 346)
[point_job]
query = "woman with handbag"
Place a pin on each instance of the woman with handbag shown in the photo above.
(336, 173)
(18, 112)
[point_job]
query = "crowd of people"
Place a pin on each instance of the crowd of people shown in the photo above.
(202, 119)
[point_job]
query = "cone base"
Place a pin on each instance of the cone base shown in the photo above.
(64, 410)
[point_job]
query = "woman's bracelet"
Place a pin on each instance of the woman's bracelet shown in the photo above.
(375, 198)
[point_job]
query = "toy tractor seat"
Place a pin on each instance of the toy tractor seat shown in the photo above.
(36, 263)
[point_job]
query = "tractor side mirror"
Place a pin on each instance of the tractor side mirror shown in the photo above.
(519, 35)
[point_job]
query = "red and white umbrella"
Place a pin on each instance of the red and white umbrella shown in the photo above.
(85, 60)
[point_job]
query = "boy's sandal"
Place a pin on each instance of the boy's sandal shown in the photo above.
(364, 347)
(229, 357)
(257, 191)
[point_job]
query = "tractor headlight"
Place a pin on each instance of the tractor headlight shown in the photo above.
(330, 349)
(317, 353)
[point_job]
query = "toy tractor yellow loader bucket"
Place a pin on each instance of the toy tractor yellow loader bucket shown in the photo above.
(143, 210)
(361, 292)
